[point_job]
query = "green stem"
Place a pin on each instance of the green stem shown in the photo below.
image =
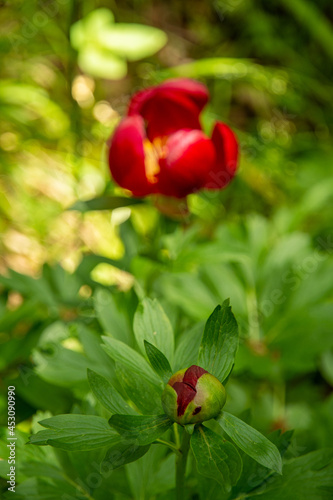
(176, 431)
(170, 445)
(252, 305)
(279, 400)
(181, 466)
(75, 116)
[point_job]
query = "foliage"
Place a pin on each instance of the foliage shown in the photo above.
(135, 433)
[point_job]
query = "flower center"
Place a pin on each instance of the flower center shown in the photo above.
(154, 151)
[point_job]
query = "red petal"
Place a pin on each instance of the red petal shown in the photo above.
(185, 394)
(173, 105)
(190, 89)
(196, 91)
(192, 375)
(126, 156)
(226, 148)
(190, 157)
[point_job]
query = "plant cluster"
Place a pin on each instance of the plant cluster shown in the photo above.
(192, 397)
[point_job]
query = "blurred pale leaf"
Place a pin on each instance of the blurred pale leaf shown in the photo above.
(101, 63)
(132, 41)
(104, 46)
(86, 29)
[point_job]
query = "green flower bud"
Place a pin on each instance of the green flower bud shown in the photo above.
(193, 395)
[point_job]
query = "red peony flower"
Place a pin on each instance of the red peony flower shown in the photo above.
(160, 148)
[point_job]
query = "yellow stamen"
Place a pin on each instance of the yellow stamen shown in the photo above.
(154, 151)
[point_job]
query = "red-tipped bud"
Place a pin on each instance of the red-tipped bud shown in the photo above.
(193, 395)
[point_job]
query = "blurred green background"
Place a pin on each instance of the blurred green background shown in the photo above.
(69, 69)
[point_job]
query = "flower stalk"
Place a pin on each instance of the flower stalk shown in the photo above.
(181, 461)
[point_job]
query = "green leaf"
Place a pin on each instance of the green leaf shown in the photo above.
(44, 489)
(129, 357)
(36, 289)
(105, 202)
(158, 361)
(142, 473)
(216, 458)
(125, 453)
(64, 366)
(327, 366)
(91, 342)
(219, 342)
(18, 98)
(41, 469)
(110, 317)
(152, 324)
(145, 395)
(143, 429)
(189, 428)
(258, 473)
(187, 292)
(9, 319)
(211, 490)
(251, 441)
(65, 285)
(164, 478)
(312, 19)
(29, 386)
(309, 476)
(107, 395)
(60, 366)
(90, 261)
(187, 350)
(75, 433)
